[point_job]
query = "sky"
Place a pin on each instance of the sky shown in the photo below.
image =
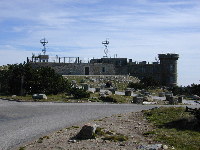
(136, 29)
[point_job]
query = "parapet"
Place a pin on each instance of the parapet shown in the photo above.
(168, 56)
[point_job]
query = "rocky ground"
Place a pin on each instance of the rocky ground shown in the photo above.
(130, 125)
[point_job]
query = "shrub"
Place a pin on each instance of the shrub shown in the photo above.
(109, 84)
(108, 99)
(79, 93)
(22, 79)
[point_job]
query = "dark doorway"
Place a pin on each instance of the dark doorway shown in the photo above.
(87, 70)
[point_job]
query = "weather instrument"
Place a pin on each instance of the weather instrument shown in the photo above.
(106, 43)
(44, 42)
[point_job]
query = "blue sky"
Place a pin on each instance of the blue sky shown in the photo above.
(137, 29)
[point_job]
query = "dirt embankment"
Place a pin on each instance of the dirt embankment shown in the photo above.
(131, 125)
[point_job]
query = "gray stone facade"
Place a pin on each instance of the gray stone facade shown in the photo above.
(78, 68)
(164, 71)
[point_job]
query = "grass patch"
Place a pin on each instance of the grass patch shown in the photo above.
(149, 133)
(58, 97)
(51, 98)
(99, 132)
(116, 138)
(40, 140)
(117, 99)
(22, 148)
(175, 127)
(46, 137)
(110, 135)
(75, 127)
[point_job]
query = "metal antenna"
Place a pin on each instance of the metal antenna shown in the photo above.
(106, 43)
(44, 42)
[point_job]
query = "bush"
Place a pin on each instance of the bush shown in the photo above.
(108, 99)
(108, 84)
(21, 79)
(146, 82)
(193, 89)
(136, 85)
(79, 93)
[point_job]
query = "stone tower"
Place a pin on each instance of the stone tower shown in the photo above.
(168, 69)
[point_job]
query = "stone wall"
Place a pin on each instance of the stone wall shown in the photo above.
(79, 68)
(145, 70)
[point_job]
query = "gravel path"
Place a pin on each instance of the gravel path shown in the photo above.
(21, 122)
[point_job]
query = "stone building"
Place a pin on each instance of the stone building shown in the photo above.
(164, 71)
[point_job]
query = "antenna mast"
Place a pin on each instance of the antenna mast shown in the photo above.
(44, 42)
(106, 43)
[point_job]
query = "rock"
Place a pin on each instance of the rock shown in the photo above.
(180, 99)
(87, 132)
(72, 141)
(121, 144)
(102, 94)
(128, 93)
(102, 86)
(150, 147)
(195, 97)
(168, 93)
(39, 96)
(14, 96)
(148, 98)
(161, 94)
(168, 96)
(107, 92)
(138, 100)
(173, 101)
(146, 93)
(85, 86)
(165, 147)
(73, 82)
(42, 96)
(112, 90)
(97, 89)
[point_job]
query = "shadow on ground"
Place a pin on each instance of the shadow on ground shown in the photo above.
(184, 124)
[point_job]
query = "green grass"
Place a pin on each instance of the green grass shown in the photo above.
(174, 127)
(40, 140)
(22, 148)
(116, 138)
(110, 135)
(122, 98)
(58, 97)
(51, 98)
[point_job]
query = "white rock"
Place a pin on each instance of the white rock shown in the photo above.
(165, 147)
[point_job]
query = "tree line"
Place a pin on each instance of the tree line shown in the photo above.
(23, 79)
(193, 89)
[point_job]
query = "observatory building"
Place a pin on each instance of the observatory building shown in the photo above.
(164, 70)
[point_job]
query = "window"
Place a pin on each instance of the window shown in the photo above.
(103, 69)
(171, 68)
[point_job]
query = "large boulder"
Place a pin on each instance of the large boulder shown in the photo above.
(87, 132)
(161, 94)
(112, 90)
(97, 89)
(137, 100)
(180, 99)
(148, 98)
(39, 96)
(173, 100)
(168, 96)
(85, 86)
(128, 93)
